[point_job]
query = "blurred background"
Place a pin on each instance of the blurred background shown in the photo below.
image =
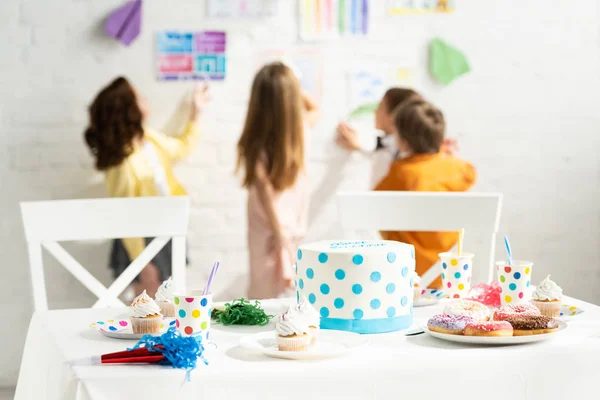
(526, 116)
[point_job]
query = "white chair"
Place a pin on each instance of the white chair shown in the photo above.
(48, 222)
(478, 213)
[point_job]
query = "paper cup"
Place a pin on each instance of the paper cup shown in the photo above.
(456, 274)
(192, 313)
(515, 281)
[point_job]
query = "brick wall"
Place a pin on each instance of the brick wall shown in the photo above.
(526, 117)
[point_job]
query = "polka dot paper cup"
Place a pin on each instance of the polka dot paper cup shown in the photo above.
(192, 313)
(456, 274)
(515, 281)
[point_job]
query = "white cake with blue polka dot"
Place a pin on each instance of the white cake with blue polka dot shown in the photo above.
(358, 286)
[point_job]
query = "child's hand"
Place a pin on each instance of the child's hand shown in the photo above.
(450, 147)
(347, 137)
(200, 98)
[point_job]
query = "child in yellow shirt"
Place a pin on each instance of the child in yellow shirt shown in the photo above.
(420, 130)
(138, 162)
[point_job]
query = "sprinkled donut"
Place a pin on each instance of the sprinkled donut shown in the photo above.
(450, 324)
(489, 328)
(517, 310)
(532, 325)
(468, 308)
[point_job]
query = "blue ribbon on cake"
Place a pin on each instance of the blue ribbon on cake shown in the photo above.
(377, 325)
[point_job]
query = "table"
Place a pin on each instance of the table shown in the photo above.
(392, 366)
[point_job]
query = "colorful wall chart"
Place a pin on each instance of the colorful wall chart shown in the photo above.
(189, 55)
(306, 63)
(399, 7)
(242, 8)
(325, 19)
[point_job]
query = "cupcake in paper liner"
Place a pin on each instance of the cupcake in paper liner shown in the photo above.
(146, 316)
(314, 319)
(164, 298)
(294, 331)
(547, 297)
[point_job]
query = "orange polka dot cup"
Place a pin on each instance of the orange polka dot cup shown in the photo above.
(515, 281)
(192, 313)
(456, 274)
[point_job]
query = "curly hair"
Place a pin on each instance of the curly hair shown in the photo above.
(115, 122)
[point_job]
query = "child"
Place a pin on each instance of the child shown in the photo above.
(420, 130)
(382, 147)
(271, 151)
(137, 162)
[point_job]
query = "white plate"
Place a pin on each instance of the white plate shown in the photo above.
(329, 344)
(490, 340)
(121, 329)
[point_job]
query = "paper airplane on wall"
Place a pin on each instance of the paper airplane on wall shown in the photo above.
(124, 24)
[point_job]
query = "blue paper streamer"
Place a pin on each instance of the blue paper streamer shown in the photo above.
(180, 351)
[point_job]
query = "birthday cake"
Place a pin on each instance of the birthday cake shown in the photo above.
(358, 286)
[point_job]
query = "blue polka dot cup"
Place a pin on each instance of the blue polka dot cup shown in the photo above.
(192, 313)
(456, 274)
(515, 281)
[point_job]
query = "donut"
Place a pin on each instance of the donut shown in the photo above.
(489, 328)
(472, 309)
(450, 324)
(532, 325)
(516, 310)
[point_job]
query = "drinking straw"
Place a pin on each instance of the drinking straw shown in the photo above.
(508, 252)
(213, 272)
(461, 235)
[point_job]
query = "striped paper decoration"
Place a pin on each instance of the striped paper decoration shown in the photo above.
(326, 19)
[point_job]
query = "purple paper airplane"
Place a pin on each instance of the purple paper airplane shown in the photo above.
(124, 24)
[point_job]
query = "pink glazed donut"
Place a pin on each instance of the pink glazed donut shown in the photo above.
(489, 328)
(517, 310)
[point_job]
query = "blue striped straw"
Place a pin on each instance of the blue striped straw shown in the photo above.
(508, 252)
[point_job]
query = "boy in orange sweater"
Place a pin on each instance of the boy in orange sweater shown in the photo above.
(420, 130)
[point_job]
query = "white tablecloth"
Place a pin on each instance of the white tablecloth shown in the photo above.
(392, 366)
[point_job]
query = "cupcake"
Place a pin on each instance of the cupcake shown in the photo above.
(146, 316)
(416, 287)
(314, 319)
(164, 298)
(547, 297)
(293, 331)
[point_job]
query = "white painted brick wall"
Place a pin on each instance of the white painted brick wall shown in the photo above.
(527, 117)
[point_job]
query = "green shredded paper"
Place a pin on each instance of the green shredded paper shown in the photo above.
(242, 312)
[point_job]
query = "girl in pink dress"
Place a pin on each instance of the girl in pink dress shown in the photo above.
(271, 153)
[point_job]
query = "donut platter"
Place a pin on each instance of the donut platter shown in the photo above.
(496, 340)
(467, 321)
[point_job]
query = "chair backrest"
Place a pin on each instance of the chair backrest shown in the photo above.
(49, 222)
(478, 213)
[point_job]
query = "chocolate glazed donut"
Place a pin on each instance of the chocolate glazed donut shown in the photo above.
(532, 325)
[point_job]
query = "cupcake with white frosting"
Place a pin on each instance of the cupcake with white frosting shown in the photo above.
(164, 298)
(313, 317)
(146, 316)
(293, 331)
(547, 297)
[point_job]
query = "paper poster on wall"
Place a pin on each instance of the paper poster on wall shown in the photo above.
(191, 55)
(326, 19)
(366, 87)
(399, 7)
(306, 63)
(242, 8)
